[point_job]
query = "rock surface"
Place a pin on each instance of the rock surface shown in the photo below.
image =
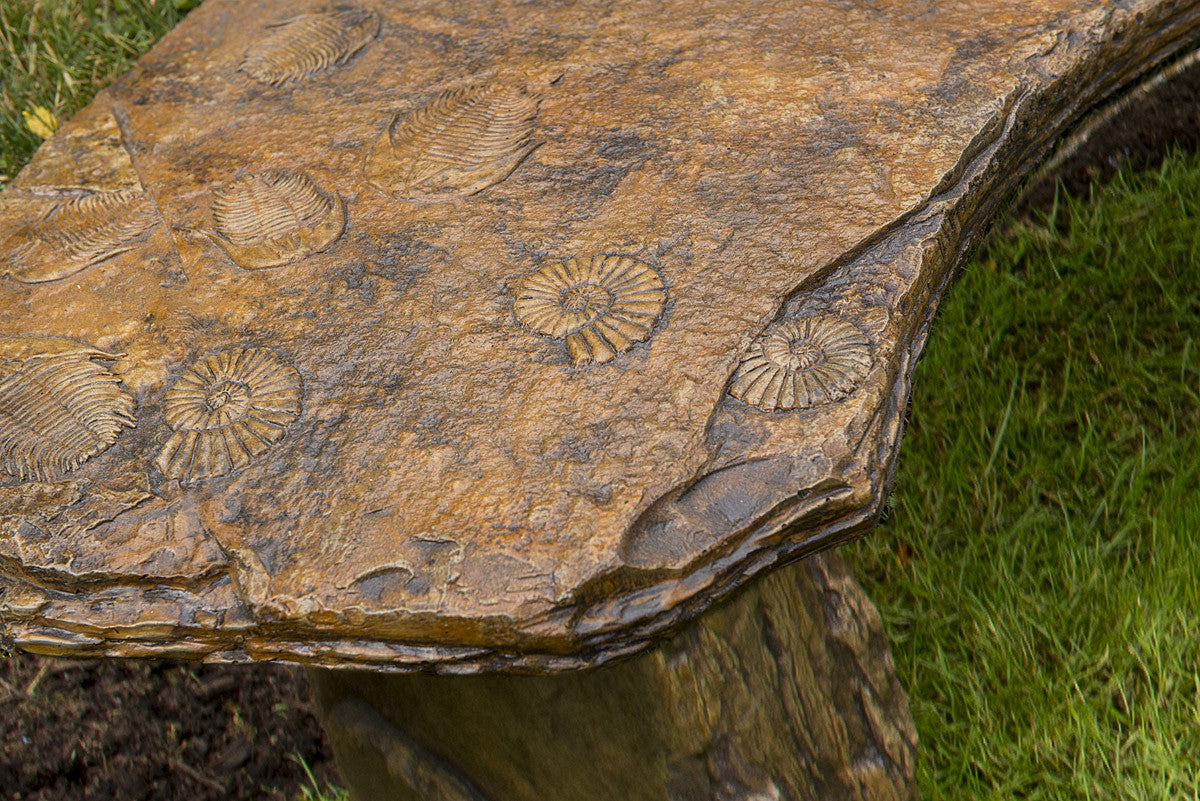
(491, 335)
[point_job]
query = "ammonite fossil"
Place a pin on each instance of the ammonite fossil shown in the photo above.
(58, 407)
(227, 410)
(460, 143)
(77, 234)
(303, 45)
(274, 218)
(801, 363)
(601, 306)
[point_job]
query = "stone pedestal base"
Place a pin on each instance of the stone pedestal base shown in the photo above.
(787, 691)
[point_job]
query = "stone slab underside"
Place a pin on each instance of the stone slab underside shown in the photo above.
(368, 412)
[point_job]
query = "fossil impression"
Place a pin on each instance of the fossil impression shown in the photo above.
(801, 363)
(227, 410)
(76, 234)
(601, 307)
(303, 45)
(460, 143)
(274, 218)
(58, 407)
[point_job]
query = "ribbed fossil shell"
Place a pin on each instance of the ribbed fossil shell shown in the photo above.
(58, 407)
(460, 143)
(77, 234)
(274, 218)
(801, 363)
(227, 410)
(601, 306)
(303, 45)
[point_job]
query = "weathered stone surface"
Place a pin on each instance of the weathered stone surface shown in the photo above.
(416, 473)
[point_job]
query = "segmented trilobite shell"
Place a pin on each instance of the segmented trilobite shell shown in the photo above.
(303, 45)
(274, 218)
(58, 407)
(801, 363)
(77, 234)
(227, 410)
(600, 306)
(460, 143)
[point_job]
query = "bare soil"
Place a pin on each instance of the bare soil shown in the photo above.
(156, 731)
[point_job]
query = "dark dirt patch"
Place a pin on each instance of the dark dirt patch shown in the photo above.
(98, 731)
(1149, 123)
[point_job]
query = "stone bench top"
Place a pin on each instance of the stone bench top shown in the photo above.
(494, 335)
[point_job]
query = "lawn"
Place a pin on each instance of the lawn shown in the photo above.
(1037, 570)
(56, 54)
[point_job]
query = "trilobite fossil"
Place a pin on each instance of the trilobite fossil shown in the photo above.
(460, 143)
(274, 218)
(809, 361)
(303, 45)
(600, 306)
(76, 234)
(58, 407)
(227, 410)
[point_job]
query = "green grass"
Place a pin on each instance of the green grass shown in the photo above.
(314, 791)
(58, 53)
(1039, 570)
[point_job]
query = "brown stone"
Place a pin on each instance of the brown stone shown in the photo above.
(369, 432)
(788, 692)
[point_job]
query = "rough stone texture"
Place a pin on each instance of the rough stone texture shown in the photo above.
(786, 692)
(459, 491)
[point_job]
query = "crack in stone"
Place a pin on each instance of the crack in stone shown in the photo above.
(124, 127)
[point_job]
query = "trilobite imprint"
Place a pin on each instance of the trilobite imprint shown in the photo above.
(460, 143)
(303, 45)
(801, 363)
(274, 218)
(77, 234)
(601, 307)
(226, 411)
(58, 407)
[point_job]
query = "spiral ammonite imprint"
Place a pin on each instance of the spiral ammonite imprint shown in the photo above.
(601, 306)
(802, 363)
(226, 411)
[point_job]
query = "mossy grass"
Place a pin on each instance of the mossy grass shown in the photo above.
(1039, 570)
(56, 54)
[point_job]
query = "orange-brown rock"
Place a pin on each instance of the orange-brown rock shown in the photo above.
(352, 446)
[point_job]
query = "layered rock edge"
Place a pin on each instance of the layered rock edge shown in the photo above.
(783, 486)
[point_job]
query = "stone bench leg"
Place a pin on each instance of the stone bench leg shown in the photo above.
(786, 691)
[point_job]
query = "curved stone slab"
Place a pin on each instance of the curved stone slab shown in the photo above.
(633, 323)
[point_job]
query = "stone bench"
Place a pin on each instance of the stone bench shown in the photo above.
(514, 366)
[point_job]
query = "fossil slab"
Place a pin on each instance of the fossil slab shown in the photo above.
(578, 317)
